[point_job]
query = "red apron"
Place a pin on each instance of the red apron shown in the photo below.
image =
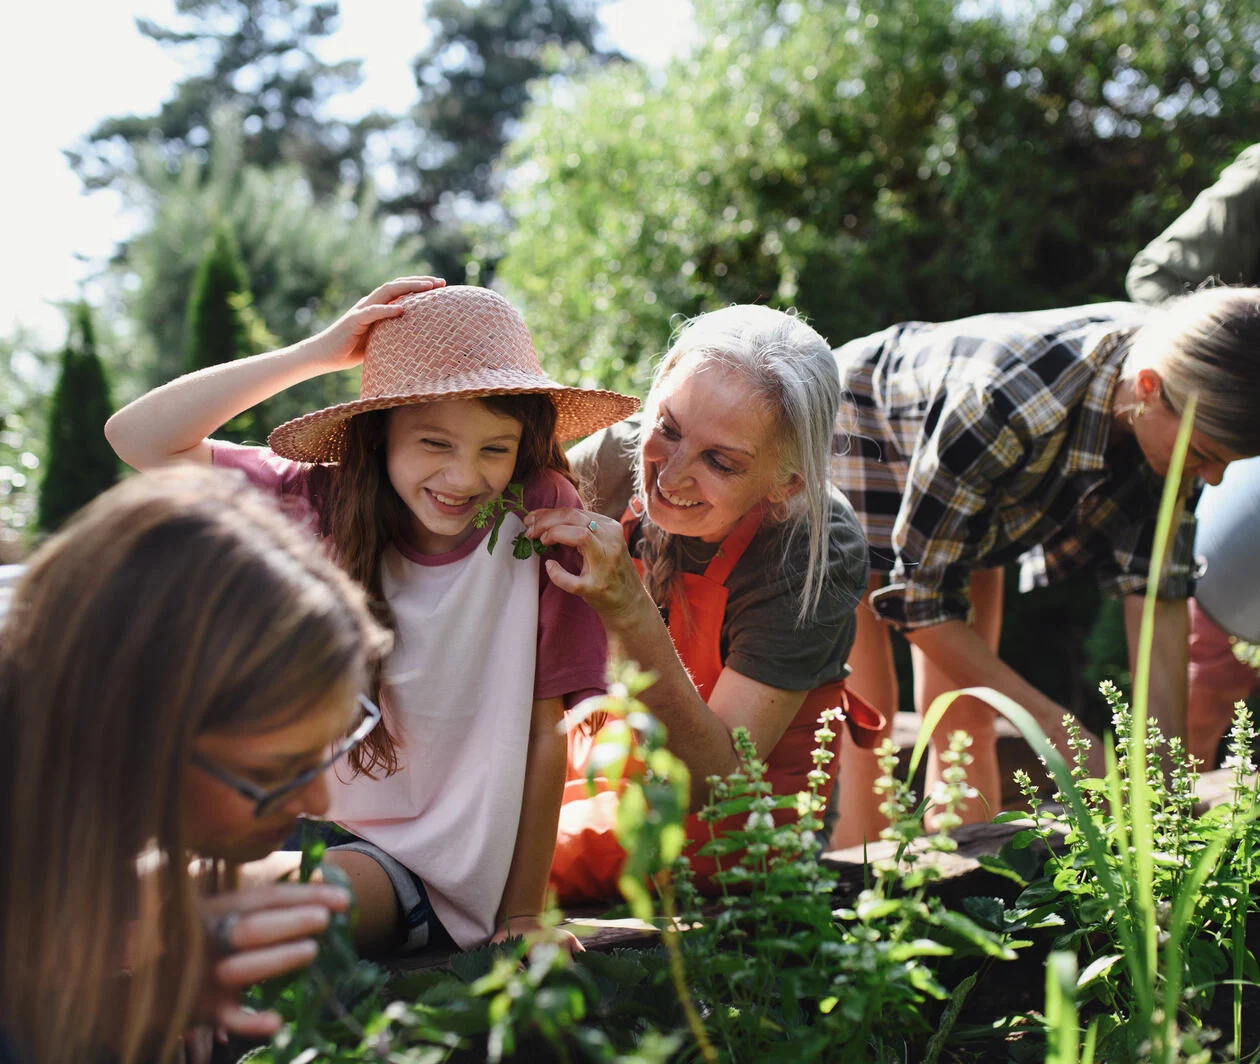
(588, 857)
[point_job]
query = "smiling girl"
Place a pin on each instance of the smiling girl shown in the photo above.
(455, 802)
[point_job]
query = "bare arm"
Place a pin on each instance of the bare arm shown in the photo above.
(526, 888)
(172, 423)
(1170, 660)
(960, 652)
(699, 733)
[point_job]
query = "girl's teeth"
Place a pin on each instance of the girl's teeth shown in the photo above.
(447, 500)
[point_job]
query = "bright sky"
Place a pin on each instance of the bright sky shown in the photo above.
(63, 69)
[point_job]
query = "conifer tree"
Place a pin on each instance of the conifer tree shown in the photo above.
(221, 321)
(81, 463)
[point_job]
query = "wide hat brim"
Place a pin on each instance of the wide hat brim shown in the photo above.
(453, 342)
(320, 436)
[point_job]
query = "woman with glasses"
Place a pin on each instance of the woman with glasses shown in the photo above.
(178, 668)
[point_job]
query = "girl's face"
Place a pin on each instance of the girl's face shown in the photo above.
(220, 822)
(711, 451)
(444, 460)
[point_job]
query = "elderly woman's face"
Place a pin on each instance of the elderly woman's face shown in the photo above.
(710, 450)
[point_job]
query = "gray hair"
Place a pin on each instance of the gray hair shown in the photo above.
(1208, 343)
(792, 367)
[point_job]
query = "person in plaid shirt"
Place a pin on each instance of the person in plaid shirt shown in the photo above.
(1041, 436)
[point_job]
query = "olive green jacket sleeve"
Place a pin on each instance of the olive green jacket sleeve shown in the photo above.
(1218, 236)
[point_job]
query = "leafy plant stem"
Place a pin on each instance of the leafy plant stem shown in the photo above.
(678, 971)
(1140, 789)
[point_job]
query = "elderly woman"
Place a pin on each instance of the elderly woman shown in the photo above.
(717, 555)
(1044, 435)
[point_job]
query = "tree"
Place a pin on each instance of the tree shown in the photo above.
(27, 375)
(307, 261)
(260, 62)
(81, 463)
(935, 159)
(218, 324)
(222, 325)
(474, 81)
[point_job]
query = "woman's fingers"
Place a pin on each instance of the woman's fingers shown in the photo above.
(245, 1023)
(279, 895)
(267, 927)
(573, 583)
(239, 970)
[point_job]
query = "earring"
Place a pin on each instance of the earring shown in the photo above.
(1137, 412)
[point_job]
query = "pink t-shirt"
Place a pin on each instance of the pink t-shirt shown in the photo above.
(572, 646)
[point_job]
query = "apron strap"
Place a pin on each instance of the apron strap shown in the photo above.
(728, 554)
(733, 546)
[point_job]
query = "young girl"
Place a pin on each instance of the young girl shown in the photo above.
(456, 803)
(178, 667)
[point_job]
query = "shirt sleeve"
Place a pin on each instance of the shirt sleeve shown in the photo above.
(604, 466)
(283, 478)
(572, 658)
(1217, 236)
(765, 639)
(974, 438)
(1127, 570)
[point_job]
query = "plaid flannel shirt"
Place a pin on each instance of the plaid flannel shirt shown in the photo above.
(976, 442)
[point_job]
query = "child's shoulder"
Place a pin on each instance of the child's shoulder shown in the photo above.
(550, 489)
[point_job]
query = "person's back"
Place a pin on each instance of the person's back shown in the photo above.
(1218, 237)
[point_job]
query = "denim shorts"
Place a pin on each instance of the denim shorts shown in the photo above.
(420, 926)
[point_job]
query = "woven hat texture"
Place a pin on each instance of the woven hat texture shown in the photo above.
(459, 342)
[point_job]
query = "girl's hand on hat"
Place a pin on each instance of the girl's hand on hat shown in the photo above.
(342, 344)
(608, 581)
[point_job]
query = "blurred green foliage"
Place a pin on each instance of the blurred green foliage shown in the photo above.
(260, 59)
(307, 261)
(81, 463)
(869, 163)
(27, 375)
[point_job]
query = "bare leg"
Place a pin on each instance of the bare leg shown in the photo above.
(966, 714)
(875, 679)
(376, 929)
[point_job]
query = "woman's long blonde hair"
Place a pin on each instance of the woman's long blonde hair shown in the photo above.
(177, 603)
(791, 368)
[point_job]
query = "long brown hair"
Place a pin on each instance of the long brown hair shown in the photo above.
(361, 514)
(178, 602)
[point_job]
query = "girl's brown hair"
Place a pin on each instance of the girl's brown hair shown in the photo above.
(177, 603)
(361, 514)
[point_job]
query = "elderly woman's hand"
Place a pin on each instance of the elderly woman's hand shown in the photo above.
(608, 581)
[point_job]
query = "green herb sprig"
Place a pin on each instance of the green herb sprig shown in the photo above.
(512, 501)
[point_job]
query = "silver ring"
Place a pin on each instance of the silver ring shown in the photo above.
(221, 932)
(592, 526)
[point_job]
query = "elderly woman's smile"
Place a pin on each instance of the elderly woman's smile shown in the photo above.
(710, 451)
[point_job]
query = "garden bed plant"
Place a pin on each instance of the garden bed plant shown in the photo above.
(1132, 912)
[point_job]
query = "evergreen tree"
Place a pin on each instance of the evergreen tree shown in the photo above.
(474, 81)
(218, 330)
(81, 463)
(221, 323)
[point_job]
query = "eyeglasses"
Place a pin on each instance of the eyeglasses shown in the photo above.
(267, 801)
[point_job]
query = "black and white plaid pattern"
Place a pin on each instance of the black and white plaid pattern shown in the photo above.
(975, 442)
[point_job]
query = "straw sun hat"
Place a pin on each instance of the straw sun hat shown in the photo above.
(459, 342)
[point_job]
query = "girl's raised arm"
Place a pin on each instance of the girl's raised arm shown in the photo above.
(172, 423)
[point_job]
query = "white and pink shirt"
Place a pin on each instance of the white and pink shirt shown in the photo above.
(479, 637)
